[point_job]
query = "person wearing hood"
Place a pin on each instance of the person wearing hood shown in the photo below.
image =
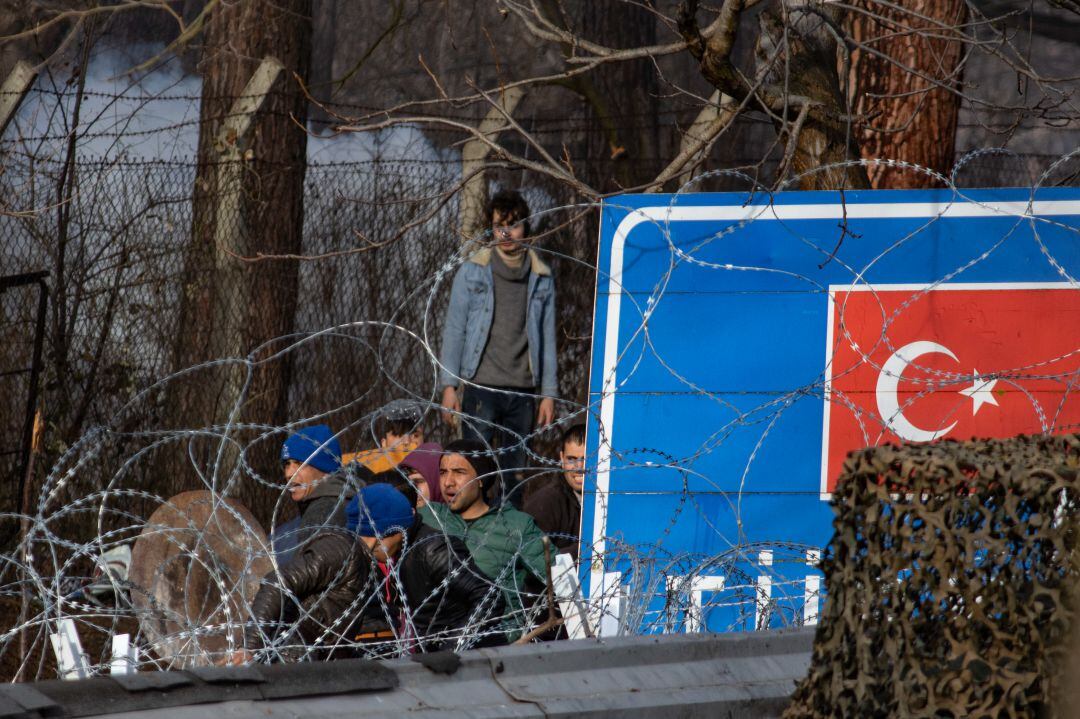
(315, 480)
(421, 466)
(445, 599)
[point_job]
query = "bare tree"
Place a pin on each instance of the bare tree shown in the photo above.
(248, 199)
(846, 86)
(904, 80)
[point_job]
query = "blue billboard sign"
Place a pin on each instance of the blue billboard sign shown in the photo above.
(742, 345)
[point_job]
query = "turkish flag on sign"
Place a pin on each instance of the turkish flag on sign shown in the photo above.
(909, 364)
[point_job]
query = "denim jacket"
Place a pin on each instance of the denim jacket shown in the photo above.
(470, 314)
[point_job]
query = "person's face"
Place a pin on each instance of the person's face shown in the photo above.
(385, 549)
(457, 479)
(391, 440)
(572, 460)
(508, 232)
(422, 488)
(300, 479)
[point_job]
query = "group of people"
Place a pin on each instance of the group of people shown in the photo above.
(435, 547)
(419, 555)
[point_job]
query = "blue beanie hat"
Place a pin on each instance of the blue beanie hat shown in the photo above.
(316, 446)
(378, 510)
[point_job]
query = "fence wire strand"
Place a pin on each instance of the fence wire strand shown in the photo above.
(365, 332)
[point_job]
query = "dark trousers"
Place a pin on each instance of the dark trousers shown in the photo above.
(501, 419)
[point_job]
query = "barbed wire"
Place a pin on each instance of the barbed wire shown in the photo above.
(105, 486)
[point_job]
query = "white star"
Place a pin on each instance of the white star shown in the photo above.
(980, 392)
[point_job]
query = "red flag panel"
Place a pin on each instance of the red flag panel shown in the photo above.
(912, 364)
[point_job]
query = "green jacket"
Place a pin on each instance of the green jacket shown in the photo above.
(505, 544)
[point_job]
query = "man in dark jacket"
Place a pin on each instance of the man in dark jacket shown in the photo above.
(447, 602)
(314, 478)
(324, 599)
(557, 506)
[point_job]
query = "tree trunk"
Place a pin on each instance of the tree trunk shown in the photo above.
(910, 118)
(230, 306)
(623, 144)
(474, 153)
(326, 16)
(814, 124)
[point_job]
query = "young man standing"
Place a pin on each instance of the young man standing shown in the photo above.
(505, 544)
(557, 507)
(442, 593)
(498, 340)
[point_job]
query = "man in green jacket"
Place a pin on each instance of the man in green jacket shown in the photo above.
(505, 543)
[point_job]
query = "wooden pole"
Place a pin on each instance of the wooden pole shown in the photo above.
(13, 91)
(230, 235)
(473, 154)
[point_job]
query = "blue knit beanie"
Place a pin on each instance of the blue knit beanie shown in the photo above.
(315, 445)
(378, 510)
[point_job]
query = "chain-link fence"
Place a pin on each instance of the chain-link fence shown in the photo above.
(114, 237)
(117, 235)
(115, 240)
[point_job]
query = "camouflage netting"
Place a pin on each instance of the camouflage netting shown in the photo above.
(950, 578)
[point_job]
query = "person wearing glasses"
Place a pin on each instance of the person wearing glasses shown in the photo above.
(557, 506)
(498, 343)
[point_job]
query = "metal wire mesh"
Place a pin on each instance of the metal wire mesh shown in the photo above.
(114, 235)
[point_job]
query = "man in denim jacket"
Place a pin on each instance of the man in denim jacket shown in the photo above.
(499, 340)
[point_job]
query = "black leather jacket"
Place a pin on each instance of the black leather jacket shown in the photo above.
(443, 590)
(332, 579)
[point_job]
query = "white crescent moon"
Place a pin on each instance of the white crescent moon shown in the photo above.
(889, 380)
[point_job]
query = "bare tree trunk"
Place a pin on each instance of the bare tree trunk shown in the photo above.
(796, 51)
(911, 112)
(624, 148)
(326, 16)
(269, 207)
(19, 16)
(795, 83)
(473, 154)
